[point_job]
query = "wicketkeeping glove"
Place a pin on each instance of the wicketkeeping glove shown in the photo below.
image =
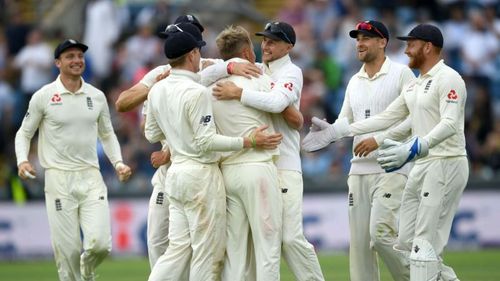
(322, 133)
(393, 155)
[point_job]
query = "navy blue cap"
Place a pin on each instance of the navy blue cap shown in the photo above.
(279, 31)
(371, 28)
(425, 32)
(190, 19)
(69, 43)
(181, 39)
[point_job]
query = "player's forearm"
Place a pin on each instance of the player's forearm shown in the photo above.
(22, 147)
(111, 147)
(131, 98)
(399, 133)
(268, 102)
(218, 142)
(212, 73)
(293, 117)
(443, 130)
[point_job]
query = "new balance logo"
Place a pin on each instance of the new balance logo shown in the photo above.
(58, 205)
(416, 249)
(159, 198)
(351, 199)
(426, 194)
(367, 113)
(387, 195)
(204, 120)
(284, 190)
(101, 197)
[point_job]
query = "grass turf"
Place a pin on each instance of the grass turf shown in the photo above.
(470, 266)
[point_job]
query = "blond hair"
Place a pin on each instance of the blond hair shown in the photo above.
(231, 41)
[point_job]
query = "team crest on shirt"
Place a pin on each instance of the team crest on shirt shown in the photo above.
(204, 120)
(90, 104)
(56, 99)
(452, 97)
(427, 86)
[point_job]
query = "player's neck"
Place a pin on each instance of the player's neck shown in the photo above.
(374, 66)
(429, 64)
(71, 83)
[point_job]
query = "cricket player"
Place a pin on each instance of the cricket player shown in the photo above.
(180, 111)
(374, 195)
(435, 104)
(279, 39)
(250, 176)
(71, 115)
(158, 216)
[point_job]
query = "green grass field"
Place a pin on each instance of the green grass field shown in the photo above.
(470, 266)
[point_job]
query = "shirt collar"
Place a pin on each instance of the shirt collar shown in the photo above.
(62, 90)
(175, 72)
(383, 70)
(279, 63)
(433, 70)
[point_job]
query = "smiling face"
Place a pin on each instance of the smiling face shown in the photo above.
(369, 48)
(274, 49)
(71, 63)
(415, 52)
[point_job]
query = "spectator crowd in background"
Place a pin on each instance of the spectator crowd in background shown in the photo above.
(123, 46)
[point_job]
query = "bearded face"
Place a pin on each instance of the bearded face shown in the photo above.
(415, 52)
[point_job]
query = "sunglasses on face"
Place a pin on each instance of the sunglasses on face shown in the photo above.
(368, 27)
(275, 28)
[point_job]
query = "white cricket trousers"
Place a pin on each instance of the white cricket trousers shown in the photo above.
(77, 200)
(374, 203)
(253, 212)
(197, 230)
(299, 254)
(429, 204)
(158, 218)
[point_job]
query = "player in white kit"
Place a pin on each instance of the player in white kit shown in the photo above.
(180, 111)
(158, 217)
(158, 214)
(250, 176)
(279, 39)
(374, 195)
(435, 104)
(71, 116)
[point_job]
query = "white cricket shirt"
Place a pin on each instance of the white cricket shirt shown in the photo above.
(435, 104)
(69, 125)
(286, 89)
(180, 111)
(366, 97)
(234, 119)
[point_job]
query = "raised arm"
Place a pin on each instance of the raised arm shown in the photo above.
(137, 94)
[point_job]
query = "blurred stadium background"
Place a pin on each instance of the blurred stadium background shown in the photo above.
(123, 45)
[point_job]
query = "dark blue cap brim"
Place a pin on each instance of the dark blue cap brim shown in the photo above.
(271, 35)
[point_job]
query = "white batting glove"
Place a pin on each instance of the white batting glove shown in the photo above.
(327, 133)
(393, 155)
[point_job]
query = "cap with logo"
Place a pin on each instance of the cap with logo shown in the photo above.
(66, 44)
(185, 19)
(181, 38)
(370, 28)
(279, 31)
(425, 32)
